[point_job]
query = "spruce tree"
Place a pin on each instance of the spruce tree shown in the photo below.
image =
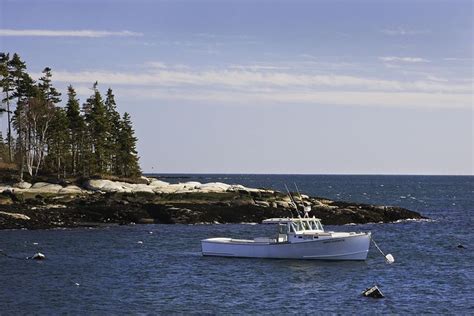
(86, 149)
(76, 128)
(96, 120)
(128, 158)
(62, 140)
(23, 88)
(49, 93)
(58, 149)
(113, 131)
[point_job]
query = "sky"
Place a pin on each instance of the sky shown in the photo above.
(311, 87)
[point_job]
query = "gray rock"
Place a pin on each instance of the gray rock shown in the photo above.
(22, 185)
(44, 187)
(140, 188)
(15, 216)
(71, 189)
(283, 204)
(213, 187)
(105, 186)
(262, 203)
(158, 183)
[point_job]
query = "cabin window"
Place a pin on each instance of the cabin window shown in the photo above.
(293, 228)
(304, 225)
(299, 226)
(282, 229)
(320, 226)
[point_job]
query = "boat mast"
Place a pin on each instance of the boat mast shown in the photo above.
(306, 209)
(293, 202)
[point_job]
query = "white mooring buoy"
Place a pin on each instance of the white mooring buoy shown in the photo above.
(388, 257)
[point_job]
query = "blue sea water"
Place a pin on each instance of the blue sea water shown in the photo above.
(107, 270)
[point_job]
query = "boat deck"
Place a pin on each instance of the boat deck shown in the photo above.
(268, 240)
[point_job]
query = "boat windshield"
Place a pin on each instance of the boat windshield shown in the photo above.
(305, 225)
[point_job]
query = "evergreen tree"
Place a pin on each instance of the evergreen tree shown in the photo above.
(127, 155)
(6, 83)
(59, 141)
(76, 128)
(113, 131)
(23, 88)
(49, 93)
(86, 148)
(97, 127)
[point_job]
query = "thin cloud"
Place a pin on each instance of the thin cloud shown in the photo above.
(257, 67)
(66, 33)
(157, 64)
(345, 98)
(243, 79)
(233, 86)
(457, 59)
(402, 32)
(404, 59)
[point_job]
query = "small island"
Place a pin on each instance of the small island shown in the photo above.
(72, 166)
(103, 202)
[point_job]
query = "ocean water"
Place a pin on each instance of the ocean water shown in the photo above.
(159, 268)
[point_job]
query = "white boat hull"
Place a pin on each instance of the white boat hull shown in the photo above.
(341, 246)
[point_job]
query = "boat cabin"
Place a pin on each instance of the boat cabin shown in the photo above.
(296, 228)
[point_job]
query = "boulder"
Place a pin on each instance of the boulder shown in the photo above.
(105, 185)
(14, 216)
(158, 183)
(71, 189)
(39, 185)
(142, 188)
(241, 188)
(262, 203)
(213, 187)
(237, 187)
(22, 185)
(5, 189)
(145, 179)
(283, 204)
(171, 188)
(191, 185)
(44, 187)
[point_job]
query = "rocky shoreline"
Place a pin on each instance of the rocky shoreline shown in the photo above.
(103, 202)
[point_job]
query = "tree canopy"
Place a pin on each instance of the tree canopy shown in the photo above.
(46, 138)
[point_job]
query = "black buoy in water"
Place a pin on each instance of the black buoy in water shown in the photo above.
(461, 246)
(373, 292)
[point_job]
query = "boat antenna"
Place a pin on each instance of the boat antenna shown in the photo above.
(306, 209)
(293, 201)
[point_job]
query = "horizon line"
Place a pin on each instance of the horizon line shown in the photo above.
(310, 174)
